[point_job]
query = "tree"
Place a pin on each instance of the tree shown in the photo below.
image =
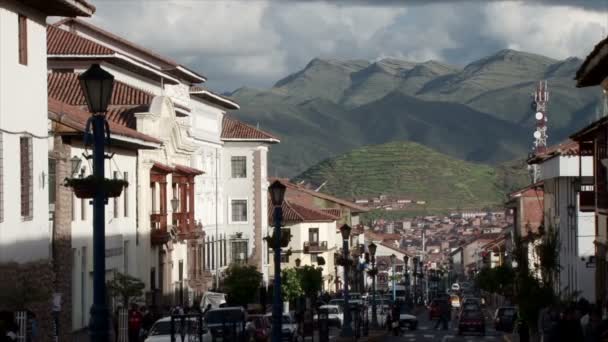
(291, 288)
(311, 280)
(125, 287)
(242, 283)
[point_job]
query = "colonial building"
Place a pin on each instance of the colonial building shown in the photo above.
(566, 180)
(592, 140)
(26, 253)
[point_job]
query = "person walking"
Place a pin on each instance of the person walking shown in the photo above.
(135, 323)
(444, 315)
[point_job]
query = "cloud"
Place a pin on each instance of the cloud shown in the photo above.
(255, 43)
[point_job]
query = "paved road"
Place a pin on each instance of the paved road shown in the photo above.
(426, 332)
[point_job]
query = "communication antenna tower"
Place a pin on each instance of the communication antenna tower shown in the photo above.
(541, 98)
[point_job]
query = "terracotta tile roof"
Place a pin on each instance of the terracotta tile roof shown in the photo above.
(235, 130)
(295, 191)
(62, 42)
(76, 118)
(566, 148)
(188, 170)
(333, 211)
(296, 213)
(169, 65)
(64, 86)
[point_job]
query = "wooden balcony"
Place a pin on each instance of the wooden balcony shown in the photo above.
(185, 225)
(315, 246)
(587, 201)
(158, 226)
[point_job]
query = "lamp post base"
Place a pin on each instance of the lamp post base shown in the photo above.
(99, 329)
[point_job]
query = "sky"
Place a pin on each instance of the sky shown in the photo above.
(255, 43)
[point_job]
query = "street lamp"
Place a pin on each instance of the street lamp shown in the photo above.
(76, 162)
(372, 252)
(174, 203)
(97, 85)
(277, 195)
(298, 262)
(347, 330)
(406, 278)
(393, 257)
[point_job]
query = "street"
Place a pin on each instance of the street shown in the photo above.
(426, 331)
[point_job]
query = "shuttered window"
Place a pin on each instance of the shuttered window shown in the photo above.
(25, 147)
(22, 39)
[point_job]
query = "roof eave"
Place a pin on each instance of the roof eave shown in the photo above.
(63, 8)
(269, 140)
(225, 103)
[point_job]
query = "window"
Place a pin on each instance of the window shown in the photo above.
(125, 209)
(239, 210)
(115, 198)
(313, 234)
(314, 258)
(284, 258)
(52, 190)
(25, 147)
(239, 251)
(22, 39)
(239, 167)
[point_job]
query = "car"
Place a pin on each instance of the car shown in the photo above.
(258, 327)
(226, 322)
(289, 327)
(471, 321)
(407, 319)
(470, 303)
(335, 315)
(338, 301)
(455, 301)
(435, 308)
(504, 318)
(161, 330)
(355, 298)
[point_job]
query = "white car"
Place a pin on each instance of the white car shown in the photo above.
(161, 331)
(289, 327)
(406, 319)
(336, 316)
(455, 287)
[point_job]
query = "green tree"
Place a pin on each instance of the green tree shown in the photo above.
(291, 288)
(311, 280)
(125, 287)
(242, 283)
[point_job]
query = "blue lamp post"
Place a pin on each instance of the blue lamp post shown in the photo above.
(277, 194)
(372, 251)
(97, 85)
(393, 276)
(347, 330)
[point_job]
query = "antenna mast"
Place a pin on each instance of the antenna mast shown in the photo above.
(541, 98)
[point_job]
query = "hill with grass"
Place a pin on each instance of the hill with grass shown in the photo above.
(480, 112)
(413, 171)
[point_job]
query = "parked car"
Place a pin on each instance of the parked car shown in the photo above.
(470, 303)
(258, 328)
(338, 301)
(435, 308)
(504, 318)
(335, 315)
(225, 322)
(161, 330)
(355, 298)
(471, 321)
(407, 319)
(289, 327)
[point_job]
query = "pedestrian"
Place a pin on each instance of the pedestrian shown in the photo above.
(569, 327)
(395, 319)
(135, 323)
(592, 330)
(444, 315)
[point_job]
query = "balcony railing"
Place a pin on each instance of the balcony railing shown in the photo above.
(315, 246)
(158, 226)
(183, 223)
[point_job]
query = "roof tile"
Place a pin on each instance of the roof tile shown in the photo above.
(233, 129)
(62, 42)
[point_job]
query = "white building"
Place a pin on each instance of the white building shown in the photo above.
(560, 170)
(73, 216)
(25, 232)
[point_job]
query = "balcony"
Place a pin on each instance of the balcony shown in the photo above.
(184, 224)
(158, 226)
(315, 246)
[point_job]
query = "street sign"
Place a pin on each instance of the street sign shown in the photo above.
(383, 280)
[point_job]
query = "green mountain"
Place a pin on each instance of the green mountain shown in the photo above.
(480, 112)
(416, 172)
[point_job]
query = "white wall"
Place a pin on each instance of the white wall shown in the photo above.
(23, 107)
(121, 233)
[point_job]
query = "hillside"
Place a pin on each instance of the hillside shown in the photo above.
(480, 112)
(416, 172)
